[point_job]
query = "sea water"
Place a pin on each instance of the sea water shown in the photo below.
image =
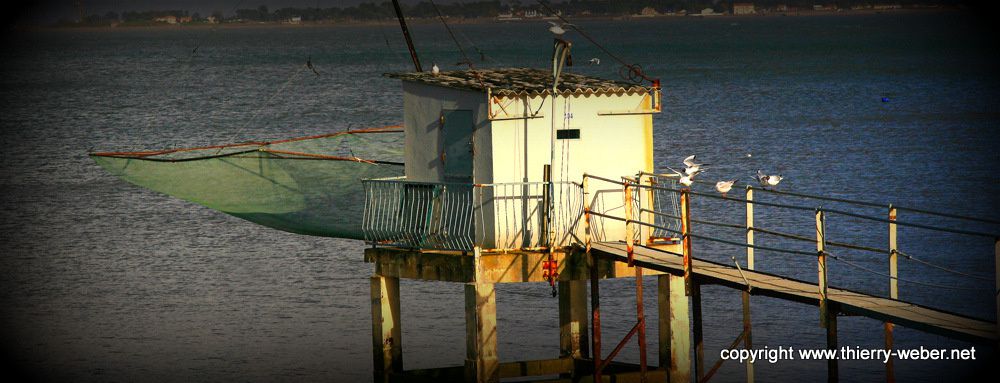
(103, 281)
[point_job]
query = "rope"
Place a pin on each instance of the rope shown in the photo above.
(862, 203)
(281, 90)
(955, 216)
(910, 224)
(634, 71)
(942, 268)
(707, 238)
(828, 242)
(935, 285)
(457, 44)
(873, 204)
(834, 199)
(722, 224)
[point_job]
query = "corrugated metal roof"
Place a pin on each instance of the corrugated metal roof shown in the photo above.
(519, 81)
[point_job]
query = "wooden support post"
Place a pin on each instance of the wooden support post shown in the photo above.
(747, 328)
(573, 339)
(686, 237)
(821, 267)
(747, 341)
(595, 310)
(996, 286)
(482, 363)
(387, 345)
(832, 373)
(697, 332)
(890, 371)
(640, 313)
(674, 327)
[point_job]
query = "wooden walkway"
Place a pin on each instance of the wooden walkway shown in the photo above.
(848, 302)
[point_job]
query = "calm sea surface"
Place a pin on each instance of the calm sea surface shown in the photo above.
(103, 281)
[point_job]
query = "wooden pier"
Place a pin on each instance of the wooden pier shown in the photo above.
(583, 355)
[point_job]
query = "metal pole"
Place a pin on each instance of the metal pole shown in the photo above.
(747, 329)
(821, 263)
(406, 35)
(629, 235)
(890, 373)
(685, 231)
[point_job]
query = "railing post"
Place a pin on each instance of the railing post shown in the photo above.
(890, 373)
(747, 339)
(686, 237)
(750, 254)
(996, 276)
(629, 233)
(821, 262)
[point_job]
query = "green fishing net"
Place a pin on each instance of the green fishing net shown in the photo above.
(309, 185)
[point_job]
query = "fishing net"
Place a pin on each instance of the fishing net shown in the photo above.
(309, 185)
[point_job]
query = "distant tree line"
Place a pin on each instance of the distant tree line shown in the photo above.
(424, 9)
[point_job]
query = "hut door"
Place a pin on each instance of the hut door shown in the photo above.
(456, 126)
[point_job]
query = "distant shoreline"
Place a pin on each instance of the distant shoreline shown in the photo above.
(484, 20)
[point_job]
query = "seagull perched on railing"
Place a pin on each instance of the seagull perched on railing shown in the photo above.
(766, 180)
(692, 167)
(435, 70)
(559, 29)
(724, 186)
(684, 178)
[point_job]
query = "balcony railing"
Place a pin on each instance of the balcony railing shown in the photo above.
(454, 216)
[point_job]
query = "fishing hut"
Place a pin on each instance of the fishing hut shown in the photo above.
(493, 193)
(536, 176)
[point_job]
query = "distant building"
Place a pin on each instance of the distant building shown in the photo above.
(781, 8)
(185, 19)
(169, 19)
(707, 12)
(648, 11)
(211, 20)
(886, 6)
(743, 9)
(295, 20)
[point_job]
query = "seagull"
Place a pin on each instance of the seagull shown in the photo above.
(692, 168)
(559, 29)
(595, 61)
(766, 180)
(724, 186)
(683, 178)
(435, 70)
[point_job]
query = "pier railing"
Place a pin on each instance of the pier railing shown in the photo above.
(826, 249)
(459, 216)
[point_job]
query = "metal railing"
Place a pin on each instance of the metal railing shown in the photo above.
(418, 214)
(457, 216)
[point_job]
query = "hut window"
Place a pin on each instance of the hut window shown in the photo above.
(567, 134)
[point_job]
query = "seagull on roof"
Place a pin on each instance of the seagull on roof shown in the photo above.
(724, 186)
(559, 29)
(768, 180)
(691, 167)
(435, 70)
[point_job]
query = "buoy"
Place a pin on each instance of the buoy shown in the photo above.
(885, 99)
